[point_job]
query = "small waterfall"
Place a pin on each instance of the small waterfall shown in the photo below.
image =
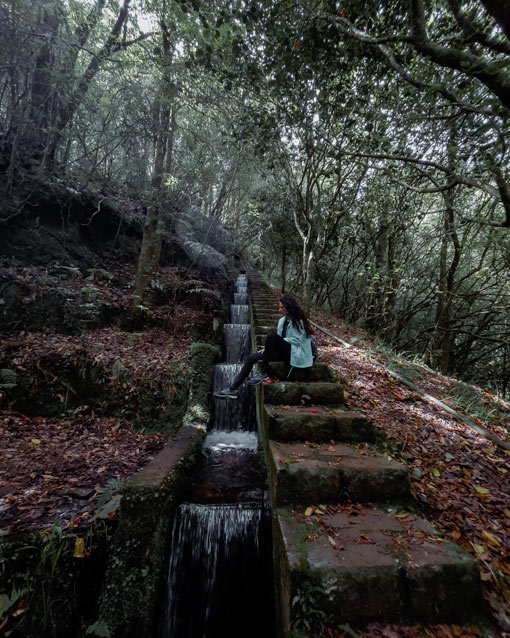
(221, 441)
(237, 341)
(217, 574)
(220, 567)
(229, 472)
(239, 313)
(240, 298)
(230, 415)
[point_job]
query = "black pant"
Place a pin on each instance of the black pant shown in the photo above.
(275, 349)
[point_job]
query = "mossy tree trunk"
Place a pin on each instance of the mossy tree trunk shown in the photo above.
(150, 251)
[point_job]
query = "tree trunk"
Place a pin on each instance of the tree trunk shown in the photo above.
(284, 267)
(439, 355)
(307, 275)
(150, 251)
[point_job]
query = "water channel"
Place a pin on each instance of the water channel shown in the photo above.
(220, 581)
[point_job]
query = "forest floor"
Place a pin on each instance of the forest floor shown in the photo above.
(460, 480)
(55, 469)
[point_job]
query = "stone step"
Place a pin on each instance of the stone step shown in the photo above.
(266, 324)
(261, 297)
(323, 425)
(263, 329)
(334, 473)
(314, 393)
(318, 372)
(359, 565)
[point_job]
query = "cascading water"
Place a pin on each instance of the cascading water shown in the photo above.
(239, 313)
(232, 415)
(220, 570)
(237, 341)
(220, 551)
(240, 298)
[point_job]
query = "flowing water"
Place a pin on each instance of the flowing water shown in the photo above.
(215, 591)
(237, 341)
(219, 580)
(239, 313)
(232, 414)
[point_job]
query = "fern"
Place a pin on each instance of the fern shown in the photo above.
(113, 486)
(99, 271)
(8, 378)
(100, 629)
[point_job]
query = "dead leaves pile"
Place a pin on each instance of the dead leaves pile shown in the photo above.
(53, 470)
(460, 480)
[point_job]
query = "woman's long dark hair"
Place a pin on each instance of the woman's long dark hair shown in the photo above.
(295, 314)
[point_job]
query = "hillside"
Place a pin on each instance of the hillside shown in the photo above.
(81, 412)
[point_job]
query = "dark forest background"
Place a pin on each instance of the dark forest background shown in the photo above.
(356, 151)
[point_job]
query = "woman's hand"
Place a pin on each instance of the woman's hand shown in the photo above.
(261, 351)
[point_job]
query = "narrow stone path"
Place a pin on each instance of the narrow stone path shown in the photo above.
(350, 545)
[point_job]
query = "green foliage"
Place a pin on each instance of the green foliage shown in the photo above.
(97, 273)
(8, 378)
(307, 612)
(7, 601)
(112, 487)
(471, 400)
(54, 544)
(99, 629)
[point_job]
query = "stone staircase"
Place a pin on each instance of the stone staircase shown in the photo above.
(349, 543)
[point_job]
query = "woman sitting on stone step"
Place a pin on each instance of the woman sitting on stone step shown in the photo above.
(291, 343)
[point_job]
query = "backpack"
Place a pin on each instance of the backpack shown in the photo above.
(313, 342)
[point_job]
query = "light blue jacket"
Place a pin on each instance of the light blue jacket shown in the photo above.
(300, 345)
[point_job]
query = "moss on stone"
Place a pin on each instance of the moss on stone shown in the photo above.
(203, 356)
(135, 578)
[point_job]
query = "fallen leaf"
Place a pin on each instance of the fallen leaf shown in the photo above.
(481, 490)
(79, 548)
(308, 511)
(490, 538)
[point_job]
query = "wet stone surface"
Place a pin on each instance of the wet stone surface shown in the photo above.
(335, 473)
(291, 423)
(291, 393)
(370, 563)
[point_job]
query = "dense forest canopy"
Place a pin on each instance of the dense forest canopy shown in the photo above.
(357, 150)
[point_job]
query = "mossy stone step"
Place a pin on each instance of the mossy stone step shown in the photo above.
(322, 473)
(360, 565)
(300, 424)
(318, 372)
(259, 297)
(293, 393)
(264, 330)
(268, 324)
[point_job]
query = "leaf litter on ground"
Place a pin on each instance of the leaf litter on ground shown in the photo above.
(460, 480)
